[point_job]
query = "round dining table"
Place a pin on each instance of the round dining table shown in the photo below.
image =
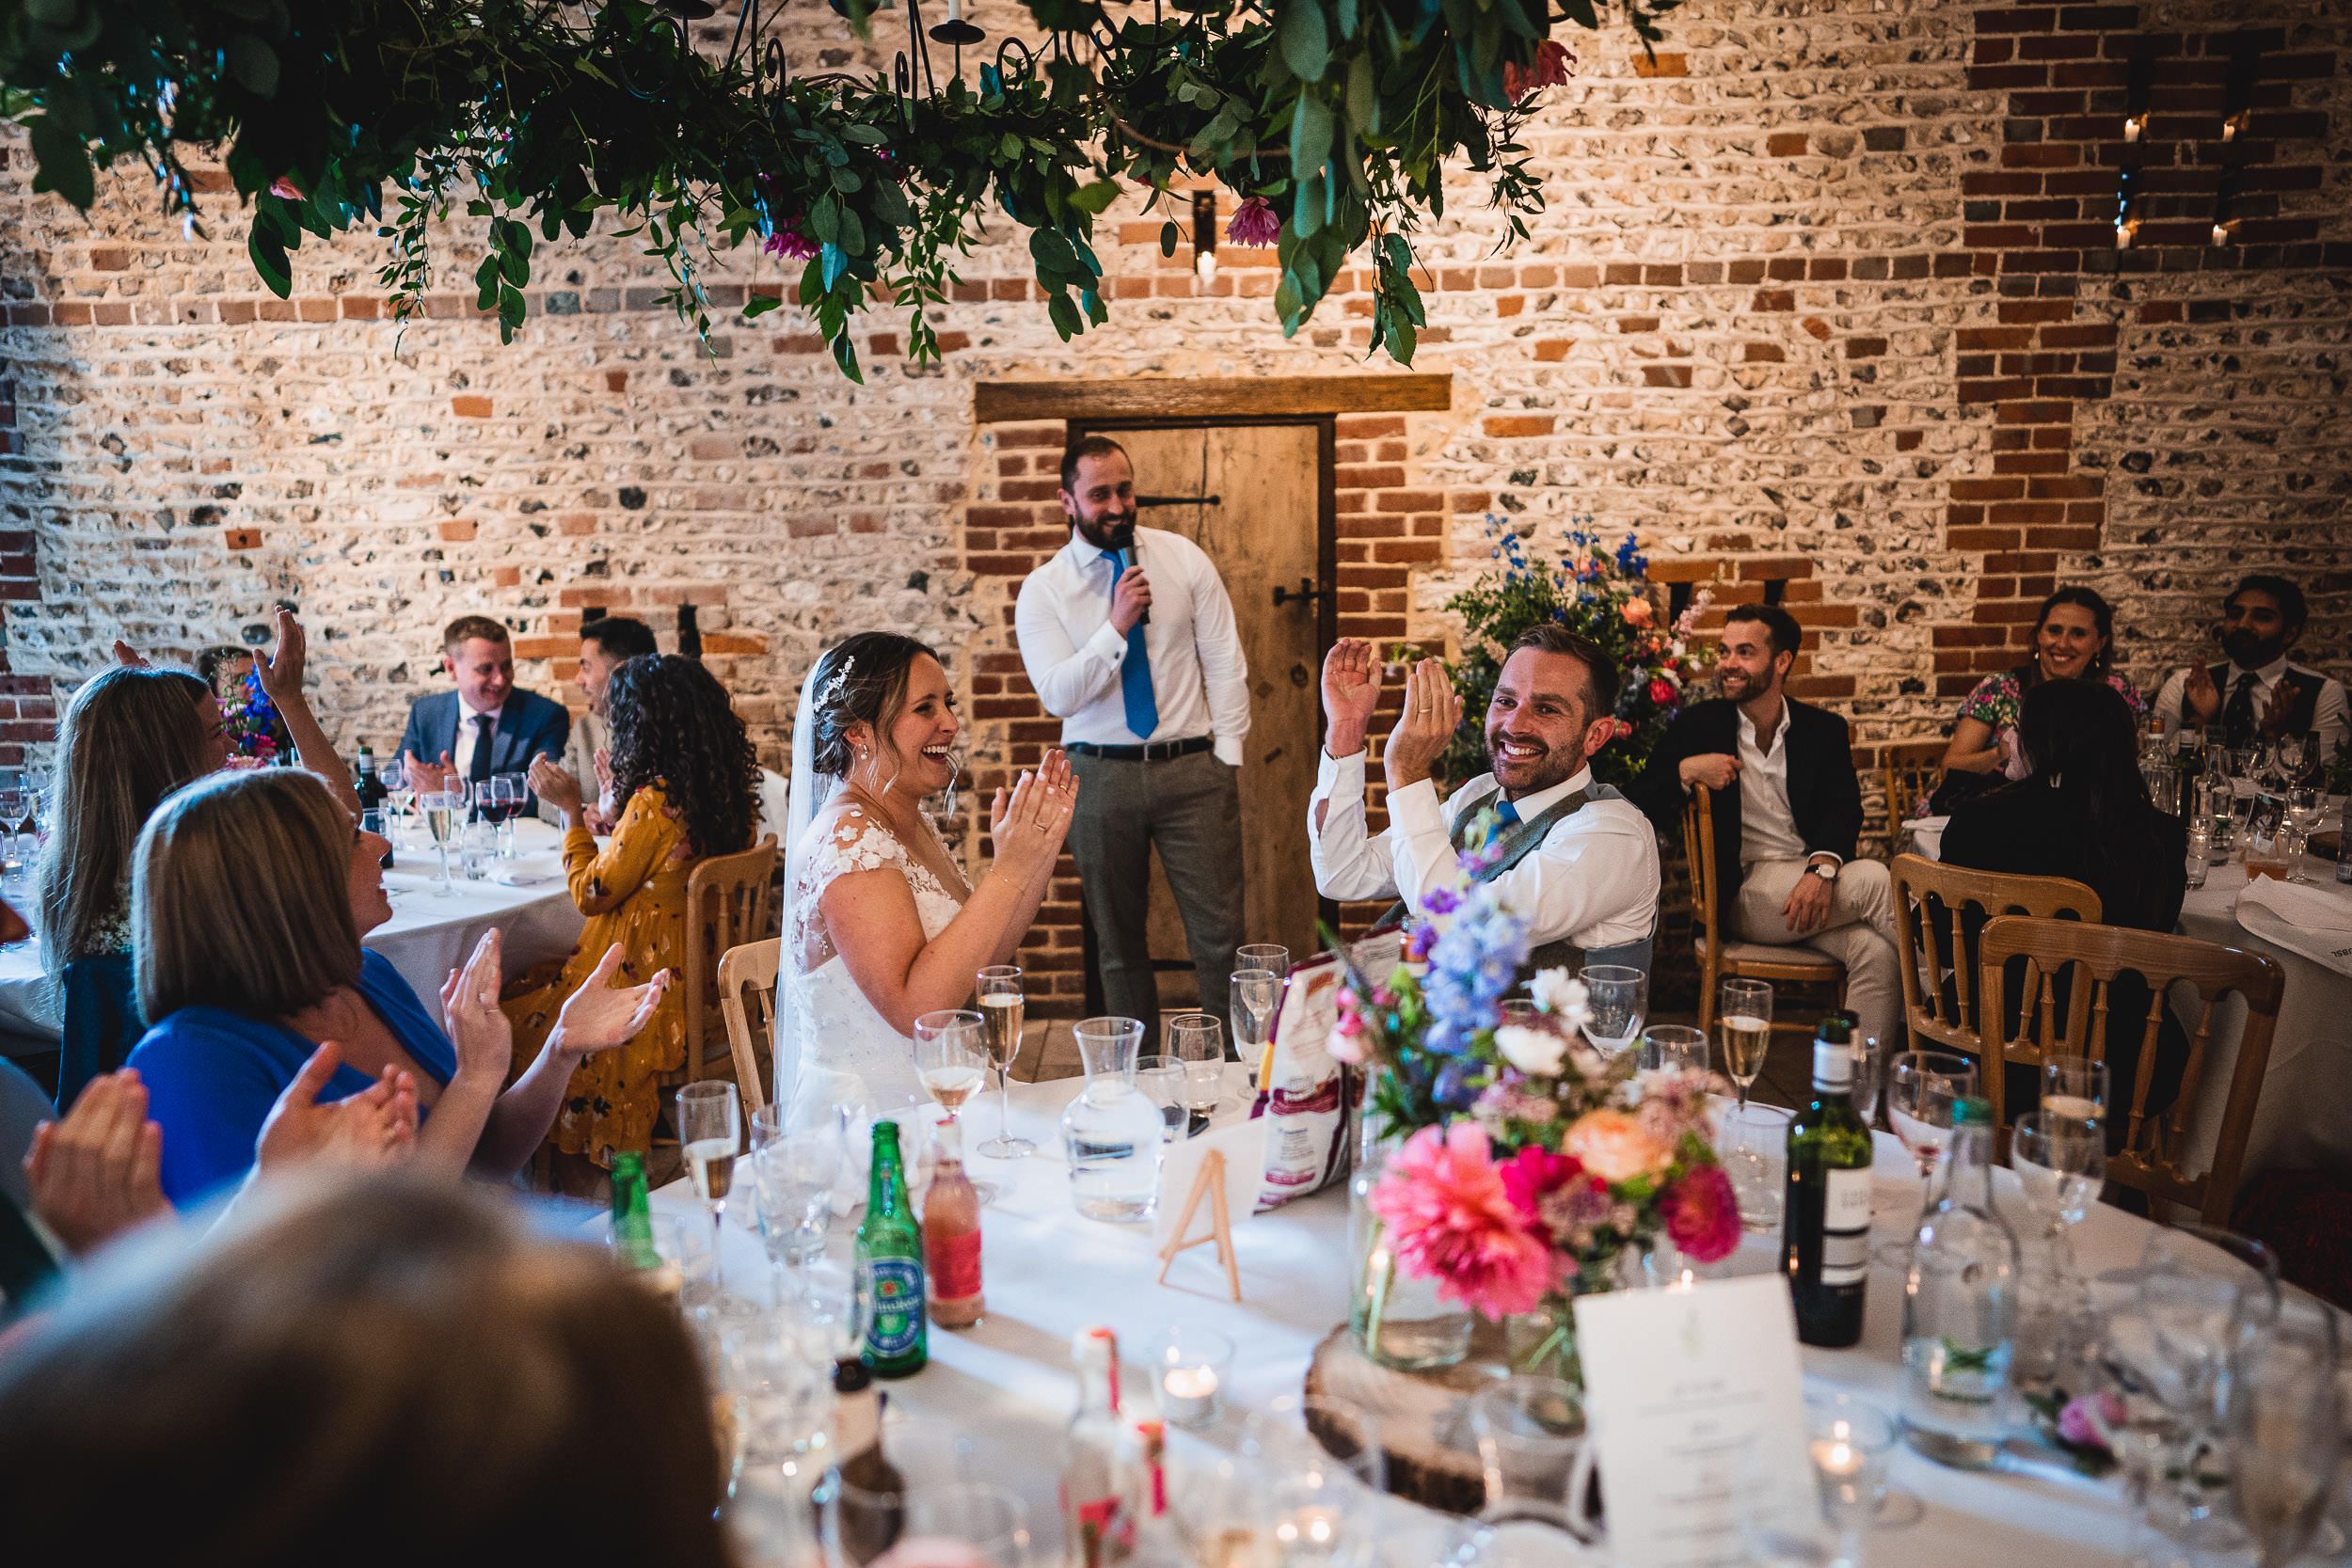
(430, 931)
(1003, 1386)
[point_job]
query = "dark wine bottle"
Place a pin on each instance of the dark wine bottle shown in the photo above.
(1827, 1227)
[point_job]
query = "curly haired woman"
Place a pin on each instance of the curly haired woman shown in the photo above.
(691, 783)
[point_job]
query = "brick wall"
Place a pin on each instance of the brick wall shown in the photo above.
(1821, 297)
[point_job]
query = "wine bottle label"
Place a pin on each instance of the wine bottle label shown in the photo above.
(1833, 1066)
(1846, 1227)
(954, 1265)
(898, 1290)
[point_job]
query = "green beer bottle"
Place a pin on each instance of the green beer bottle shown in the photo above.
(890, 1261)
(1827, 1215)
(632, 1220)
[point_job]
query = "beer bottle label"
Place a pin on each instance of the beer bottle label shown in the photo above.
(899, 1308)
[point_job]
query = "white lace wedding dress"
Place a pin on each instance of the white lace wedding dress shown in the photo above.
(847, 1055)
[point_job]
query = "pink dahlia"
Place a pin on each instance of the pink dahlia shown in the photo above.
(1701, 1215)
(1533, 1174)
(789, 241)
(2081, 1421)
(1254, 223)
(1451, 1218)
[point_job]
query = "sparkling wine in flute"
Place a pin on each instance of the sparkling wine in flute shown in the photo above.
(2071, 1107)
(1745, 1040)
(440, 821)
(1000, 1020)
(2280, 1501)
(711, 1164)
(952, 1085)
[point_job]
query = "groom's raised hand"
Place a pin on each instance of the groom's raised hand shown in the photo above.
(1351, 690)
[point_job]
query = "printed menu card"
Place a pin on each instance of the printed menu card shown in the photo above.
(1695, 1405)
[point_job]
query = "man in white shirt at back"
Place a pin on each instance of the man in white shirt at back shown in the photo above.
(1128, 636)
(1582, 867)
(2255, 695)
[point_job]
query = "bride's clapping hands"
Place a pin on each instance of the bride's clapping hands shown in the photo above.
(1028, 825)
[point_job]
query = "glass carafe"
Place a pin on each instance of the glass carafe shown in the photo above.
(1111, 1132)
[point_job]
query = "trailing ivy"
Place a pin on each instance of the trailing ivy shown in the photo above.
(1341, 115)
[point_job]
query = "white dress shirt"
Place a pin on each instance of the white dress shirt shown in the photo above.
(1200, 677)
(2332, 717)
(1768, 827)
(467, 732)
(1593, 881)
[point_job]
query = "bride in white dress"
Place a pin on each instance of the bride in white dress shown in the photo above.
(880, 925)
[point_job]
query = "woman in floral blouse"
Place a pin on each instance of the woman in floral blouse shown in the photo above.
(690, 780)
(2073, 640)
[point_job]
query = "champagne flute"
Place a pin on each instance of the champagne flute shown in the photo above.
(2286, 1430)
(2059, 1164)
(1001, 1009)
(399, 799)
(2075, 1087)
(1617, 997)
(1254, 993)
(710, 1135)
(442, 809)
(1744, 1014)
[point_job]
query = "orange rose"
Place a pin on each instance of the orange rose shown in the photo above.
(1636, 612)
(1615, 1147)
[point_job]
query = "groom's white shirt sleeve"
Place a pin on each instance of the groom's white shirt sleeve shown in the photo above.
(1352, 863)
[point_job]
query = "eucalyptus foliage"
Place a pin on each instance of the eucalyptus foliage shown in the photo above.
(1344, 115)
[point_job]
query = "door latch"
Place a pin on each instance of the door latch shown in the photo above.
(1305, 593)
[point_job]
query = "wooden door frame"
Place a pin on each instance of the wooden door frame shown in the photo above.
(1327, 605)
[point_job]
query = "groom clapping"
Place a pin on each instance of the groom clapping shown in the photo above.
(1577, 862)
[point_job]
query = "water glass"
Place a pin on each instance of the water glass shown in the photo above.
(1197, 1041)
(1744, 1021)
(792, 1176)
(477, 849)
(1162, 1080)
(1754, 1154)
(2059, 1163)
(992, 1520)
(1617, 999)
(832, 1306)
(1254, 993)
(2205, 1295)
(1262, 954)
(2285, 1430)
(1528, 1431)
(1674, 1046)
(785, 1396)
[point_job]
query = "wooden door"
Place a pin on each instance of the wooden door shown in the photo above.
(1266, 532)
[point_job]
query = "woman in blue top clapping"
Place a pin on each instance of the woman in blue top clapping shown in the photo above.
(252, 892)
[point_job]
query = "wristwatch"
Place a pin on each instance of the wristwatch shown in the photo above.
(1826, 870)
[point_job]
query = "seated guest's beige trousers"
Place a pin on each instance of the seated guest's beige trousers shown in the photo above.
(1860, 935)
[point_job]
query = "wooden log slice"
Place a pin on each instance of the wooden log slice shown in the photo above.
(1424, 1418)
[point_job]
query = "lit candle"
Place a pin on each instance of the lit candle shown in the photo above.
(2122, 236)
(2132, 127)
(2229, 129)
(1205, 264)
(1840, 1466)
(2220, 234)
(1189, 1395)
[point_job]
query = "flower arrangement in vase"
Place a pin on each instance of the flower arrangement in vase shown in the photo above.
(1519, 1166)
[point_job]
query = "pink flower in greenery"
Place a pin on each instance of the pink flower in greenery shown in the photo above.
(1701, 1215)
(1533, 1174)
(1549, 69)
(789, 241)
(1254, 223)
(2079, 1422)
(1662, 690)
(1451, 1218)
(284, 186)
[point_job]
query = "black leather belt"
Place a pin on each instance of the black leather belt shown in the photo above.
(1158, 750)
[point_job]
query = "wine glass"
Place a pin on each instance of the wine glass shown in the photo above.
(1262, 954)
(951, 1056)
(710, 1135)
(507, 792)
(1198, 1040)
(1673, 1047)
(2206, 1294)
(1617, 997)
(2293, 754)
(2059, 1163)
(1923, 1090)
(1870, 1069)
(1254, 993)
(1743, 1015)
(792, 1175)
(2304, 803)
(1001, 1009)
(400, 799)
(443, 809)
(2285, 1430)
(2075, 1087)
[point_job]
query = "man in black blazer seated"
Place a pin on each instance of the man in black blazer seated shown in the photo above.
(1787, 810)
(502, 728)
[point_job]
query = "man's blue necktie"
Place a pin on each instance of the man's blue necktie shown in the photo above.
(1506, 815)
(1134, 671)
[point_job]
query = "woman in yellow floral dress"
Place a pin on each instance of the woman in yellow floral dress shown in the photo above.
(681, 761)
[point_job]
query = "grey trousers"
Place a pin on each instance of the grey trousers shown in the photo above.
(1191, 808)
(1860, 935)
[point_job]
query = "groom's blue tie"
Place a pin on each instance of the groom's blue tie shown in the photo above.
(1506, 815)
(1134, 671)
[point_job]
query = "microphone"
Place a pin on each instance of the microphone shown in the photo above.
(1127, 559)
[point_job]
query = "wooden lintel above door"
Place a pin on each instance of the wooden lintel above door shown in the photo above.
(1191, 398)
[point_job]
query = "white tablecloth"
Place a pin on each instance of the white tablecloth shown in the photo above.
(2304, 1117)
(1049, 1272)
(427, 936)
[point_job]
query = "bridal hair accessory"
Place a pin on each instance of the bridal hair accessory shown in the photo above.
(840, 677)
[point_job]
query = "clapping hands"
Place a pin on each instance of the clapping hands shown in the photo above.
(374, 1128)
(602, 1014)
(1432, 711)
(1351, 690)
(96, 1171)
(1028, 824)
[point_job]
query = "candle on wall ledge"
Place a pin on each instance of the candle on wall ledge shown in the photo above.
(2133, 125)
(2221, 233)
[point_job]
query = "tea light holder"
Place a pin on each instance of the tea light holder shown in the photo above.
(1189, 1369)
(1851, 1442)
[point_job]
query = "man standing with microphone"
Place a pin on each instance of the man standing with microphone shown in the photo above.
(1129, 639)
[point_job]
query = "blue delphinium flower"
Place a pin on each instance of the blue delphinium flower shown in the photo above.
(1631, 560)
(1474, 961)
(1459, 1084)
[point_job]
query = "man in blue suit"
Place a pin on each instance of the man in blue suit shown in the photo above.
(485, 726)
